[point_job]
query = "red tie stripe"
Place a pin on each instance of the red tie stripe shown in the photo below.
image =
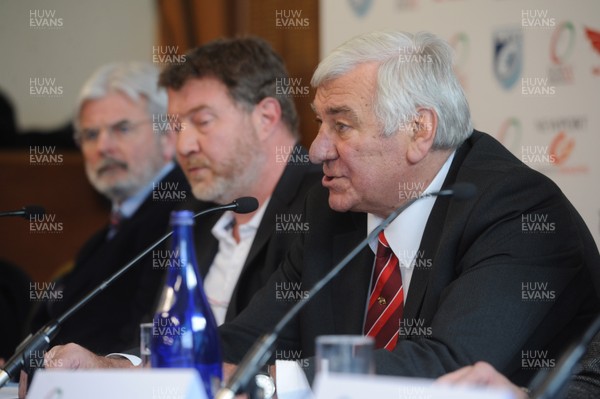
(387, 298)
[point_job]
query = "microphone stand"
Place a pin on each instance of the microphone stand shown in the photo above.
(42, 338)
(261, 351)
(551, 385)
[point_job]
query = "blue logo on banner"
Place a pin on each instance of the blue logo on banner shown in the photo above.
(360, 7)
(508, 56)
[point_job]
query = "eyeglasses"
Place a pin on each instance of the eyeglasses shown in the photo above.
(118, 131)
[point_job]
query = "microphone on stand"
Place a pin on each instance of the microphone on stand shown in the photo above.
(26, 212)
(261, 351)
(42, 338)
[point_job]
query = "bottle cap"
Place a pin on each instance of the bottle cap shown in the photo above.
(182, 218)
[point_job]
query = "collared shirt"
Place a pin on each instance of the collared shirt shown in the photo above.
(405, 233)
(128, 207)
(227, 266)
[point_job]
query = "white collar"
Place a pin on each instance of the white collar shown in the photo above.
(404, 234)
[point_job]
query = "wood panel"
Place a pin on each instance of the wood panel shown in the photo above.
(63, 190)
(292, 28)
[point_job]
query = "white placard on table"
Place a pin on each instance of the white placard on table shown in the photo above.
(117, 384)
(356, 386)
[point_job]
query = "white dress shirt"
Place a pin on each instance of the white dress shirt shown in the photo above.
(227, 266)
(404, 235)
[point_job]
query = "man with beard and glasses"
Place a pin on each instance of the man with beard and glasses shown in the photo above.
(130, 161)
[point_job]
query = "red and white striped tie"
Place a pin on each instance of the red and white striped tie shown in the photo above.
(386, 302)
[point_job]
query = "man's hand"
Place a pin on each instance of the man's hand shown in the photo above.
(481, 374)
(73, 356)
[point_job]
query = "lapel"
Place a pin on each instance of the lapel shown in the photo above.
(349, 291)
(282, 196)
(206, 244)
(433, 233)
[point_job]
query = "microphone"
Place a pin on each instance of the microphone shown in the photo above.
(245, 205)
(549, 385)
(26, 212)
(42, 338)
(261, 351)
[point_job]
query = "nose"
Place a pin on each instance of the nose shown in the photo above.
(105, 142)
(187, 142)
(322, 148)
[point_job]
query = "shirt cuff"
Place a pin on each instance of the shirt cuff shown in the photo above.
(136, 361)
(290, 381)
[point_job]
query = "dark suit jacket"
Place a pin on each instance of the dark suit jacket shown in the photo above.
(15, 303)
(110, 322)
(477, 267)
(270, 243)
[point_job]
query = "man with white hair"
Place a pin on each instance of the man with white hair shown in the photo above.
(449, 282)
(128, 157)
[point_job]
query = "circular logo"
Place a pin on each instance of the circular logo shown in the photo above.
(562, 42)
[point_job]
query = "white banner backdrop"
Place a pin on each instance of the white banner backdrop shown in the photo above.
(530, 68)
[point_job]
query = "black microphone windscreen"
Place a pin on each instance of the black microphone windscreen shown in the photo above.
(463, 191)
(246, 205)
(33, 210)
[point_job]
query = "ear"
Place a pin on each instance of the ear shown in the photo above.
(266, 115)
(422, 134)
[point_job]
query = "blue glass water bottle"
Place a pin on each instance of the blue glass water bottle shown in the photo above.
(184, 328)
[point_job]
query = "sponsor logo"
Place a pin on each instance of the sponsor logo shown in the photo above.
(561, 49)
(562, 143)
(360, 7)
(508, 55)
(594, 38)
